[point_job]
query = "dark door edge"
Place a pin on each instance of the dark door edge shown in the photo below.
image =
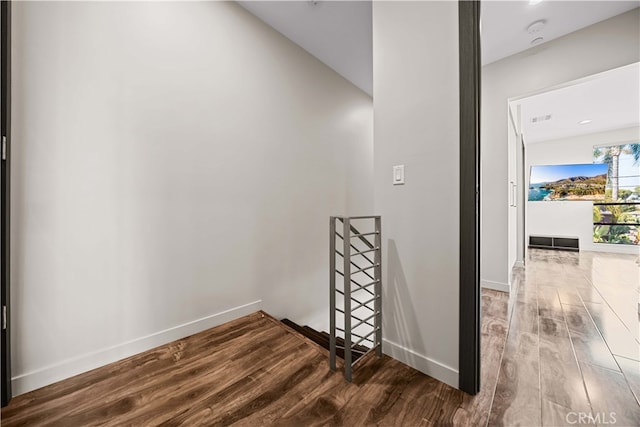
(470, 67)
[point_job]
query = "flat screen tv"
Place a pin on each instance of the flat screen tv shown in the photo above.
(568, 182)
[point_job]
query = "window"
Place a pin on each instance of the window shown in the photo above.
(617, 219)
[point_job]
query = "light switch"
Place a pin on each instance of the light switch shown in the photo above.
(398, 175)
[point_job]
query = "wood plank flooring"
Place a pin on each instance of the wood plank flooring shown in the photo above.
(563, 343)
(572, 346)
(256, 371)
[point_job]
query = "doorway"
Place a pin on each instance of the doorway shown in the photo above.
(564, 124)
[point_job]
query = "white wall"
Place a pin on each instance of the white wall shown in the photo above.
(175, 165)
(600, 47)
(416, 123)
(563, 218)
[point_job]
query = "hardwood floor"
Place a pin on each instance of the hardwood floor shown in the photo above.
(573, 344)
(564, 343)
(256, 371)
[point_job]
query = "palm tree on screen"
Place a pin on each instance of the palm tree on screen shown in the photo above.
(635, 152)
(611, 155)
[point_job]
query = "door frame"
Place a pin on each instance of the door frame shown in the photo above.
(470, 67)
(5, 198)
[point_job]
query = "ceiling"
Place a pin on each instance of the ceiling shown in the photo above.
(611, 100)
(504, 23)
(339, 33)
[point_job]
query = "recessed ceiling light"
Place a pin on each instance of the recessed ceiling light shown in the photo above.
(534, 2)
(537, 40)
(585, 122)
(536, 26)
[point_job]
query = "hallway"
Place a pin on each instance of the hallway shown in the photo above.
(573, 343)
(571, 351)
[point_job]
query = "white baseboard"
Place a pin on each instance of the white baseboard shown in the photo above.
(518, 264)
(422, 363)
(496, 286)
(67, 368)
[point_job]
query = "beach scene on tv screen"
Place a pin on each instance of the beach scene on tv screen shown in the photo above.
(582, 182)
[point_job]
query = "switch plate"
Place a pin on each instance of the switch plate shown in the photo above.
(398, 175)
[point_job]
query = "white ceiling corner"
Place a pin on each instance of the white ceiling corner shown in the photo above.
(338, 33)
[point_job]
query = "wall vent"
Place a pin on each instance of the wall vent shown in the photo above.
(555, 242)
(541, 118)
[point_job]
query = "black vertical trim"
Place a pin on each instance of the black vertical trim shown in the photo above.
(5, 186)
(469, 51)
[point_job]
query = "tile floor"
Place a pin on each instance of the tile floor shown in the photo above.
(572, 355)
